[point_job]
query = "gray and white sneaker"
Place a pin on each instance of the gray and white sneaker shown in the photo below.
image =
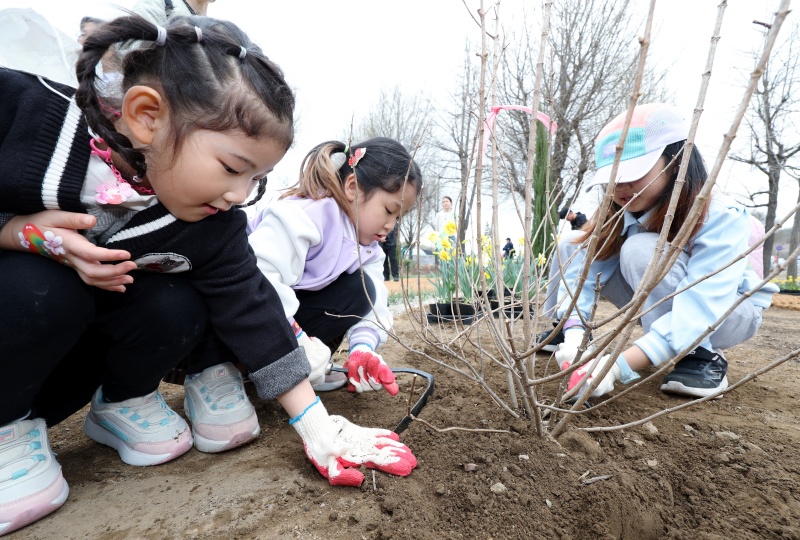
(699, 374)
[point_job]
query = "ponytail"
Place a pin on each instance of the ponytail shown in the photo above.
(378, 163)
(321, 176)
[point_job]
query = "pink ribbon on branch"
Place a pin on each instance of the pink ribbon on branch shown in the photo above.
(488, 124)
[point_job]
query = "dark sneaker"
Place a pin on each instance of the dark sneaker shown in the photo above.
(699, 374)
(557, 340)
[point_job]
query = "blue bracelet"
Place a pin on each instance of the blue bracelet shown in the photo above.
(350, 350)
(299, 416)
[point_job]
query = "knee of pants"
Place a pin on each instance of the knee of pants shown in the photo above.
(361, 304)
(40, 296)
(634, 256)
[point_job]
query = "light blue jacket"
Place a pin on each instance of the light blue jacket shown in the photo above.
(724, 236)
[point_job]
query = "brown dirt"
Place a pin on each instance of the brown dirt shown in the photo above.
(723, 469)
(410, 284)
(786, 301)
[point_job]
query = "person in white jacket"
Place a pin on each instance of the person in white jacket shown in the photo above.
(710, 276)
(313, 243)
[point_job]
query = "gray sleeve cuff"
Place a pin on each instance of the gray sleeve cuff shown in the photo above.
(281, 375)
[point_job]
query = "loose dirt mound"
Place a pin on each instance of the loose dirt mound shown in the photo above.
(724, 469)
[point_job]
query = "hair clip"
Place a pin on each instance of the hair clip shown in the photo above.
(338, 159)
(242, 52)
(356, 157)
(199, 33)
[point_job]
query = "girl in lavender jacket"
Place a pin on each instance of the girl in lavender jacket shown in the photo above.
(313, 242)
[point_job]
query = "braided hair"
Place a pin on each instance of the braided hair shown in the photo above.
(208, 71)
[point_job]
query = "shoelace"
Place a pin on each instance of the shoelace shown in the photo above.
(19, 463)
(150, 413)
(225, 393)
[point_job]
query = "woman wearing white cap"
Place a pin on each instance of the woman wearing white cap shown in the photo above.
(644, 182)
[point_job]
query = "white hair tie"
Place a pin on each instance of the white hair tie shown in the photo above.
(338, 159)
(199, 34)
(242, 52)
(162, 36)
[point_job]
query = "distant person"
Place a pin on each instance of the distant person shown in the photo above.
(642, 189)
(446, 214)
(109, 70)
(576, 219)
(158, 11)
(391, 268)
(508, 249)
(87, 26)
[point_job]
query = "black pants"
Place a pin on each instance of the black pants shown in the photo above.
(344, 300)
(344, 297)
(390, 265)
(60, 339)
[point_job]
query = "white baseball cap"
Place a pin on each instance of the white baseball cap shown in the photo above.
(652, 128)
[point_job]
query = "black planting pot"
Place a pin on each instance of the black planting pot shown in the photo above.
(448, 312)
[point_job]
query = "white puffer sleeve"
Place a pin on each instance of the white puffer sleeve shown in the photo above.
(281, 242)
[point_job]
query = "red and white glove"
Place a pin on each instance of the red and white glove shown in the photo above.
(337, 447)
(367, 371)
(605, 386)
(318, 354)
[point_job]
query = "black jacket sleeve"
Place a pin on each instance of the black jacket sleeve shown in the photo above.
(245, 310)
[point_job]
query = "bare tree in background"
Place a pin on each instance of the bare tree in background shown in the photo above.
(455, 137)
(406, 119)
(593, 64)
(774, 136)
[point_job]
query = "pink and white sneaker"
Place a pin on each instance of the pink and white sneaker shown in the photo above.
(217, 406)
(31, 483)
(144, 430)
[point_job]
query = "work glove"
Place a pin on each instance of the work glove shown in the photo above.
(337, 447)
(568, 350)
(367, 371)
(606, 385)
(318, 354)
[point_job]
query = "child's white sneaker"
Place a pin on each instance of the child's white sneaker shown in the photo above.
(31, 484)
(144, 430)
(222, 416)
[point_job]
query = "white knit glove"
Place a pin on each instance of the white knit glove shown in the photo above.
(319, 356)
(568, 350)
(337, 447)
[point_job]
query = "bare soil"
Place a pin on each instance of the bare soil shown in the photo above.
(728, 468)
